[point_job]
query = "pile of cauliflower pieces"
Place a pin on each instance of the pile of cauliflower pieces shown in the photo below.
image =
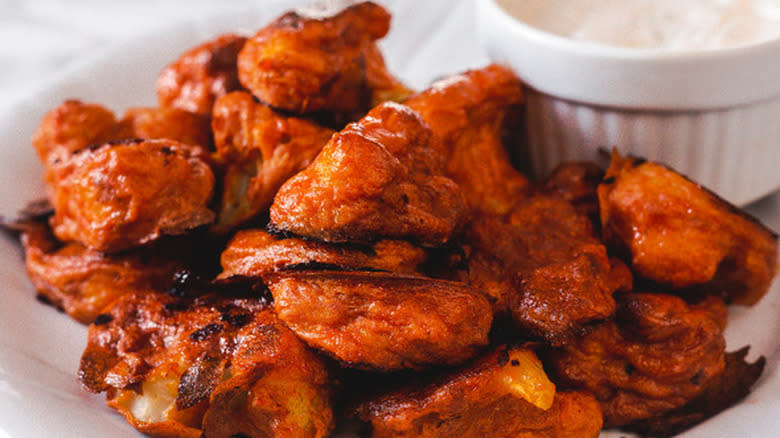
(293, 239)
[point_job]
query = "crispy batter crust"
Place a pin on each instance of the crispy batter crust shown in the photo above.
(722, 392)
(253, 253)
(679, 234)
(383, 321)
(544, 266)
(475, 402)
(466, 113)
(125, 194)
(378, 178)
(71, 127)
(657, 355)
(214, 365)
(169, 123)
(303, 63)
(83, 282)
(201, 75)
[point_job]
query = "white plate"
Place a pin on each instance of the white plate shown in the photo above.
(40, 348)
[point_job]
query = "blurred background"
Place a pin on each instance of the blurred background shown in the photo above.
(39, 38)
(42, 39)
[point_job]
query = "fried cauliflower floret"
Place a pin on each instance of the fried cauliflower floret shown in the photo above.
(212, 366)
(165, 123)
(71, 127)
(307, 61)
(82, 281)
(253, 253)
(75, 125)
(378, 178)
(566, 279)
(544, 266)
(201, 75)
(466, 113)
(125, 194)
(383, 321)
(657, 355)
(505, 394)
(259, 150)
(722, 392)
(679, 234)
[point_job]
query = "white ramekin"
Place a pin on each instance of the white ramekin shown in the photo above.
(713, 115)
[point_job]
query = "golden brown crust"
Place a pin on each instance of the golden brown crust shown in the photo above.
(213, 365)
(679, 234)
(656, 356)
(577, 182)
(125, 194)
(259, 150)
(378, 178)
(305, 63)
(383, 321)
(253, 253)
(165, 123)
(201, 75)
(466, 113)
(83, 282)
(723, 391)
(565, 281)
(74, 126)
(71, 127)
(476, 401)
(544, 266)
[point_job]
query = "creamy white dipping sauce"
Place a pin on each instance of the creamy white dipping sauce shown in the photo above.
(654, 24)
